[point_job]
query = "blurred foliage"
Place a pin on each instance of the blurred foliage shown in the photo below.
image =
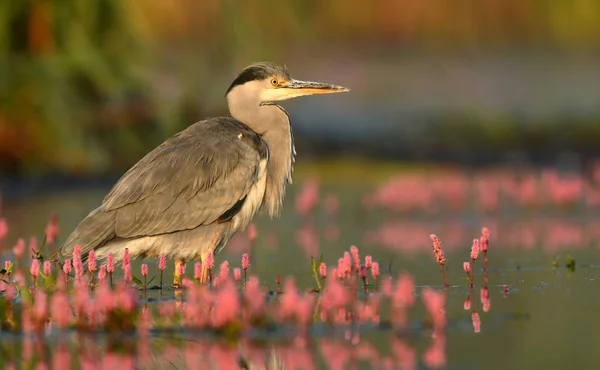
(66, 79)
(78, 79)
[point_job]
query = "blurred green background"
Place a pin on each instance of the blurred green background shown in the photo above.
(87, 88)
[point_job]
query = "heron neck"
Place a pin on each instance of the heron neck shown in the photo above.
(273, 124)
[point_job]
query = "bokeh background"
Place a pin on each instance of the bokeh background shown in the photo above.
(87, 88)
(448, 98)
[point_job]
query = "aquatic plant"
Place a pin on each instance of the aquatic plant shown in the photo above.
(439, 255)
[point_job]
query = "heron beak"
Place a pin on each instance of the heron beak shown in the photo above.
(312, 88)
(296, 88)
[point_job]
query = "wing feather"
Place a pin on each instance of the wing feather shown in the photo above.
(190, 180)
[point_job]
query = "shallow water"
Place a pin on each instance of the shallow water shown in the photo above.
(542, 314)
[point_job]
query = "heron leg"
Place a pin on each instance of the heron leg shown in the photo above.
(178, 263)
(204, 277)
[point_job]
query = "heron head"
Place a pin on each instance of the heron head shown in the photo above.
(271, 82)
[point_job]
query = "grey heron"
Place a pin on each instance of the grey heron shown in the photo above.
(188, 196)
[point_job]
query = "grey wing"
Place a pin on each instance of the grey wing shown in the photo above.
(199, 176)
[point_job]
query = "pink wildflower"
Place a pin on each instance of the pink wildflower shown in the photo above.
(368, 261)
(252, 234)
(227, 305)
(77, 264)
(404, 296)
(198, 270)
(245, 261)
(7, 265)
(67, 267)
(476, 322)
(375, 270)
(47, 268)
(485, 239)
(355, 257)
(19, 249)
(434, 303)
(210, 261)
(126, 258)
(144, 270)
(237, 274)
(3, 228)
(102, 272)
(52, 230)
(35, 268)
(437, 250)
(92, 261)
(40, 306)
(347, 267)
(323, 270)
(255, 296)
(288, 301)
(224, 270)
(110, 263)
(362, 271)
(162, 262)
(467, 304)
(475, 249)
(60, 310)
(467, 267)
(127, 270)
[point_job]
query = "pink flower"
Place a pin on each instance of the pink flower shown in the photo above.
(102, 272)
(375, 270)
(237, 274)
(347, 264)
(40, 306)
(210, 261)
(198, 271)
(368, 261)
(255, 296)
(47, 268)
(437, 250)
(355, 257)
(475, 249)
(19, 249)
(323, 270)
(60, 310)
(126, 258)
(35, 268)
(227, 305)
(144, 270)
(404, 295)
(245, 261)
(466, 267)
(224, 270)
(92, 261)
(476, 322)
(434, 303)
(110, 263)
(252, 234)
(7, 265)
(3, 228)
(485, 237)
(162, 262)
(288, 301)
(362, 271)
(467, 305)
(67, 267)
(77, 264)
(52, 230)
(127, 270)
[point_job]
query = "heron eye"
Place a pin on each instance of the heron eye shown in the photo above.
(274, 82)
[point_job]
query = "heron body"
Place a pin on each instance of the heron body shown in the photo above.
(187, 197)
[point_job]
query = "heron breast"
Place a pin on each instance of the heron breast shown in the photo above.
(254, 198)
